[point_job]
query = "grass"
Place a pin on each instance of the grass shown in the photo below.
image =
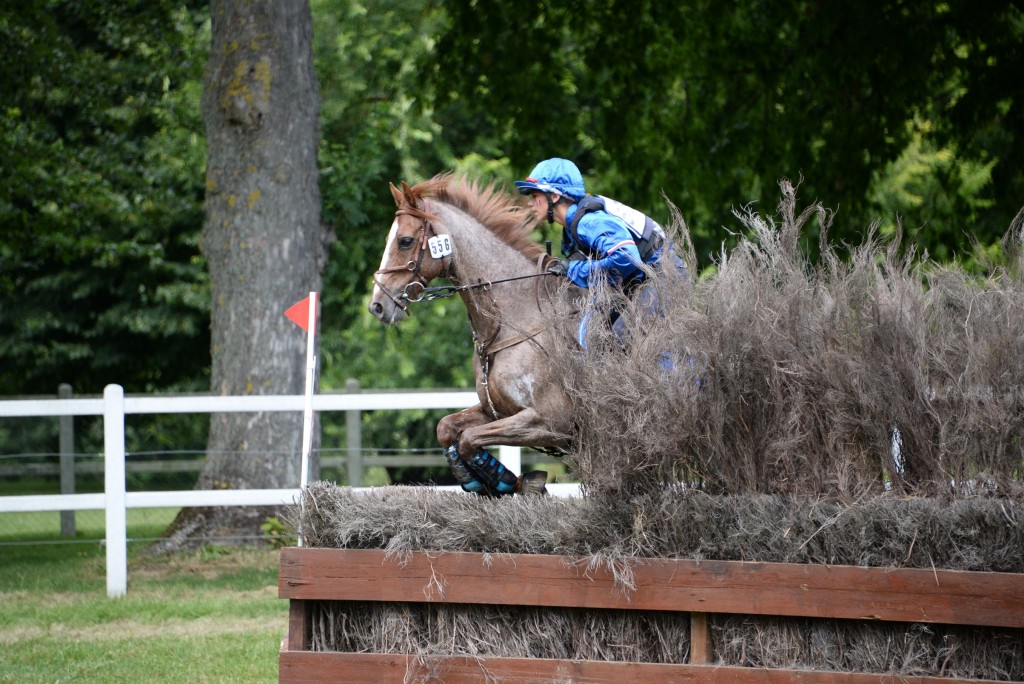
(207, 616)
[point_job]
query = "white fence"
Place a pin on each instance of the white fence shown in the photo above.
(115, 500)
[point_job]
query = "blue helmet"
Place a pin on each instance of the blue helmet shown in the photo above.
(554, 175)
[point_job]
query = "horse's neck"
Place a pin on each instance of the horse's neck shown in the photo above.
(482, 257)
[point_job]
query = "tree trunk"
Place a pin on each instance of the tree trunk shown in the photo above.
(264, 245)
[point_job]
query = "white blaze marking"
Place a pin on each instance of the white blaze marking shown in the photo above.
(384, 259)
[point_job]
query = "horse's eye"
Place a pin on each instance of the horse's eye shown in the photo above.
(405, 242)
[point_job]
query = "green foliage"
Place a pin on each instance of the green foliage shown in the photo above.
(375, 127)
(379, 125)
(711, 103)
(431, 348)
(925, 187)
(102, 201)
(278, 534)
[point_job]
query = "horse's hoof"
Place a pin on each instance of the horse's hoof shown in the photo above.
(532, 483)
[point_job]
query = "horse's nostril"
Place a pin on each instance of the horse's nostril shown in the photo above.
(376, 309)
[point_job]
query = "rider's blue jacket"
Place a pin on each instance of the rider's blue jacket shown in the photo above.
(607, 242)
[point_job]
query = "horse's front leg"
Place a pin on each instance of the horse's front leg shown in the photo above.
(451, 427)
(526, 428)
(477, 470)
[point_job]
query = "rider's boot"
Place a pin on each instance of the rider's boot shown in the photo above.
(463, 474)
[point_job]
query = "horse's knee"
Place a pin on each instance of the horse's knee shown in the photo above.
(467, 445)
(447, 432)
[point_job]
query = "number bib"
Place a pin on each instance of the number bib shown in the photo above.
(440, 246)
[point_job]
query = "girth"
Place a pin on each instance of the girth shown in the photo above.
(487, 350)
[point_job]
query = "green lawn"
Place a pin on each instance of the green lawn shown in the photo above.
(207, 616)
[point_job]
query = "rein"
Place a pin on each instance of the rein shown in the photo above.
(442, 291)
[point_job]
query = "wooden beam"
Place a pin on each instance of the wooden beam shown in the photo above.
(377, 668)
(298, 625)
(821, 591)
(700, 643)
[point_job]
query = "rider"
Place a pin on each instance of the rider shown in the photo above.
(599, 242)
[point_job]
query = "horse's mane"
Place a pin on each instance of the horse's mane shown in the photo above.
(494, 208)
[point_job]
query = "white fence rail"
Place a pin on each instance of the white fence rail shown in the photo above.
(115, 500)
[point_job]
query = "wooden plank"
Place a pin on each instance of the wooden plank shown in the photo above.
(902, 595)
(700, 643)
(311, 668)
(298, 625)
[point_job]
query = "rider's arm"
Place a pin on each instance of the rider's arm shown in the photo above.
(613, 247)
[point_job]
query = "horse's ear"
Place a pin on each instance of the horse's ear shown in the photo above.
(409, 197)
(397, 194)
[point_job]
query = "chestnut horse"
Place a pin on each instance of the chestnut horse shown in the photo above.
(478, 239)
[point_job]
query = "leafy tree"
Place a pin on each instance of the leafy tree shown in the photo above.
(711, 103)
(925, 186)
(99, 259)
(375, 127)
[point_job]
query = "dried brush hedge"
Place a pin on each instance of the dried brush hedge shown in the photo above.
(980, 533)
(501, 631)
(437, 630)
(801, 377)
(865, 410)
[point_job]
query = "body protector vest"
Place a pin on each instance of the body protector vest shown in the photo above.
(647, 233)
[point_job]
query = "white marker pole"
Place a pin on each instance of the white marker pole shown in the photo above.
(308, 323)
(307, 412)
(307, 416)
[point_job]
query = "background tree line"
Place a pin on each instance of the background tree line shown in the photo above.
(888, 111)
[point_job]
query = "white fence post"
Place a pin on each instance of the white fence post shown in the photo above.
(114, 488)
(511, 457)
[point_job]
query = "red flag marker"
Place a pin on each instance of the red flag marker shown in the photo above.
(299, 314)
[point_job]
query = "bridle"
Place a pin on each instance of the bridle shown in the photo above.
(403, 298)
(426, 293)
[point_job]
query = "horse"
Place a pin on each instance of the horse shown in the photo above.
(478, 239)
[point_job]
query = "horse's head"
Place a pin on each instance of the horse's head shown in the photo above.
(410, 259)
